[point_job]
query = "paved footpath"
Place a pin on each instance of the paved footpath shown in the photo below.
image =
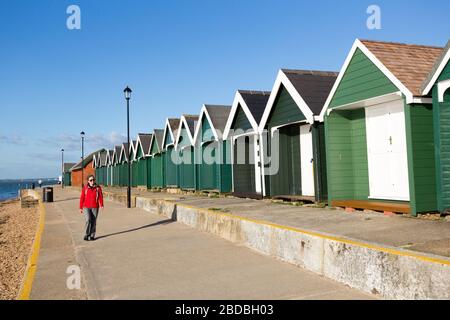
(139, 255)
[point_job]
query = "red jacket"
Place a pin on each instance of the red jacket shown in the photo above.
(91, 197)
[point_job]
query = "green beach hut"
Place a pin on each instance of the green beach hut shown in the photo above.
(109, 167)
(115, 177)
(123, 164)
(157, 160)
(212, 153)
(67, 181)
(437, 84)
(294, 155)
(171, 167)
(100, 166)
(242, 132)
(141, 163)
(379, 129)
(184, 145)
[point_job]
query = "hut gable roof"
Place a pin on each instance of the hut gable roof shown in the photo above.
(189, 122)
(308, 88)
(252, 103)
(158, 139)
(143, 142)
(217, 116)
(409, 63)
(171, 128)
(405, 65)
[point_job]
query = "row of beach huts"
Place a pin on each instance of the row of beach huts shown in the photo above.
(374, 136)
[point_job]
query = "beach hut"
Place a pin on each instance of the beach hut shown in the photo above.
(437, 85)
(100, 167)
(141, 163)
(379, 129)
(184, 145)
(109, 167)
(83, 168)
(294, 156)
(242, 131)
(123, 164)
(212, 153)
(171, 167)
(157, 160)
(66, 174)
(116, 166)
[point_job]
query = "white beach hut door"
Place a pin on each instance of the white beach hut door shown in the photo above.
(386, 150)
(306, 157)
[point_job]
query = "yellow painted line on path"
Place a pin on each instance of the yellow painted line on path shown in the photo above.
(30, 271)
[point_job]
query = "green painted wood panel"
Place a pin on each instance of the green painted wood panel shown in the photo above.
(168, 138)
(287, 181)
(171, 167)
(154, 147)
(225, 167)
(421, 159)
(67, 179)
(362, 80)
(244, 170)
(346, 155)
(158, 171)
(241, 121)
(187, 169)
(206, 131)
(208, 171)
(284, 110)
(319, 155)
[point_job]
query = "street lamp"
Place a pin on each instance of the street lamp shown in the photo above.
(82, 158)
(62, 168)
(127, 92)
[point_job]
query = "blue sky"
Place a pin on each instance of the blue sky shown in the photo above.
(175, 55)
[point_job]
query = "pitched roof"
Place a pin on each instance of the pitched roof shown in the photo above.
(191, 121)
(145, 139)
(124, 147)
(102, 158)
(86, 161)
(256, 102)
(440, 63)
(174, 123)
(409, 63)
(117, 150)
(219, 115)
(313, 86)
(158, 135)
(67, 166)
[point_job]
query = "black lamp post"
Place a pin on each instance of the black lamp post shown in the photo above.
(127, 93)
(82, 158)
(62, 168)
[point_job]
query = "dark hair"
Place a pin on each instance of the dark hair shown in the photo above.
(90, 176)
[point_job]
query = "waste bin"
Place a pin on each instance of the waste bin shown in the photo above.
(47, 195)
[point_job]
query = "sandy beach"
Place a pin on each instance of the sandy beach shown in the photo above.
(17, 230)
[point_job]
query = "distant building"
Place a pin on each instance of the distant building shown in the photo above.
(87, 164)
(67, 179)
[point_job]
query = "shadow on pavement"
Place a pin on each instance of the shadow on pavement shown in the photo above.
(162, 222)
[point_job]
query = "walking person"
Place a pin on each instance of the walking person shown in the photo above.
(91, 200)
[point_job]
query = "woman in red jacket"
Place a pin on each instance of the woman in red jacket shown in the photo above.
(91, 201)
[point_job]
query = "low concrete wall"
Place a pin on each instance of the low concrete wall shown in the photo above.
(386, 271)
(119, 197)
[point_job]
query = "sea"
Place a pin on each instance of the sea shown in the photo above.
(9, 189)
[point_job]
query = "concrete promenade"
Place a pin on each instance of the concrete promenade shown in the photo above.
(393, 257)
(142, 255)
